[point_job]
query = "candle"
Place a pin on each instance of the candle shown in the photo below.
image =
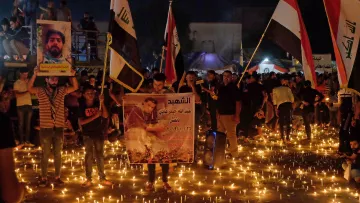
(52, 186)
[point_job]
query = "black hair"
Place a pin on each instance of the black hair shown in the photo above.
(87, 13)
(63, 2)
(91, 76)
(191, 73)
(150, 99)
(88, 87)
(13, 19)
(211, 72)
(160, 77)
(54, 32)
(84, 73)
(307, 83)
(272, 73)
(155, 69)
(24, 70)
(353, 138)
(227, 71)
(5, 21)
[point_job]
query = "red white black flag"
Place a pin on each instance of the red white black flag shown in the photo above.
(125, 67)
(344, 22)
(174, 66)
(287, 29)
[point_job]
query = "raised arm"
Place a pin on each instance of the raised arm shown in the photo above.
(31, 88)
(74, 83)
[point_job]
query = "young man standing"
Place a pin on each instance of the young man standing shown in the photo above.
(52, 120)
(283, 99)
(158, 88)
(92, 117)
(309, 98)
(228, 110)
(24, 106)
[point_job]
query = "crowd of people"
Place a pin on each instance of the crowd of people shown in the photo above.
(18, 29)
(77, 112)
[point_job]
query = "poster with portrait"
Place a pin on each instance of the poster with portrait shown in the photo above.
(54, 48)
(159, 128)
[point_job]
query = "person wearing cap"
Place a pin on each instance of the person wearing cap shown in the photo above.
(309, 98)
(283, 99)
(24, 106)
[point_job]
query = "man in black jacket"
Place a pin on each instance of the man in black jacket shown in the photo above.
(309, 98)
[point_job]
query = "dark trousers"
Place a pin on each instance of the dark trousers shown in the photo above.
(51, 137)
(165, 172)
(24, 117)
(285, 111)
(344, 133)
(212, 109)
(90, 145)
(307, 117)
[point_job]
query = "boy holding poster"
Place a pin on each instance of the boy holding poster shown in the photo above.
(158, 88)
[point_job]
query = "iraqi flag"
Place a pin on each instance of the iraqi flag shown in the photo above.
(344, 22)
(287, 29)
(174, 66)
(125, 67)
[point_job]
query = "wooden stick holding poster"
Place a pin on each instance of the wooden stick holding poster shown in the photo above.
(54, 48)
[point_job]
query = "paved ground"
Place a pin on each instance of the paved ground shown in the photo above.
(264, 172)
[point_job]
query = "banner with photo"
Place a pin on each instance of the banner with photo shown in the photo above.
(159, 128)
(54, 48)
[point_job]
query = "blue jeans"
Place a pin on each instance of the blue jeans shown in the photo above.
(54, 137)
(90, 144)
(24, 117)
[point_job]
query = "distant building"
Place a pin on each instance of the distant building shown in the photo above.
(221, 38)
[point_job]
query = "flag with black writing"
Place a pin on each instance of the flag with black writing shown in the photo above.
(344, 21)
(125, 67)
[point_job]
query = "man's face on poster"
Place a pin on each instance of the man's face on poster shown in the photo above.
(55, 45)
(149, 107)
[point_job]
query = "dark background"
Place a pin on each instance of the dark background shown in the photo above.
(150, 18)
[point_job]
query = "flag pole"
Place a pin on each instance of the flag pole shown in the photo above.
(108, 42)
(162, 58)
(252, 56)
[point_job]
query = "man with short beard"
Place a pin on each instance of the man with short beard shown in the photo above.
(52, 120)
(55, 41)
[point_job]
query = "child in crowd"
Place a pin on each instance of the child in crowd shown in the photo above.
(93, 117)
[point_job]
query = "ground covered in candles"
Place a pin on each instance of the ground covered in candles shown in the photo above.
(265, 171)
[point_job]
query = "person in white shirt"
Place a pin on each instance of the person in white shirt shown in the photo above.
(283, 99)
(24, 106)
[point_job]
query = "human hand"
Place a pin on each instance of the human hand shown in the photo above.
(73, 72)
(36, 71)
(101, 99)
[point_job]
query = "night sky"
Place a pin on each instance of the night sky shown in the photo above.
(150, 19)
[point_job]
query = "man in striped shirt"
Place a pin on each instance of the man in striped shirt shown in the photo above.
(52, 120)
